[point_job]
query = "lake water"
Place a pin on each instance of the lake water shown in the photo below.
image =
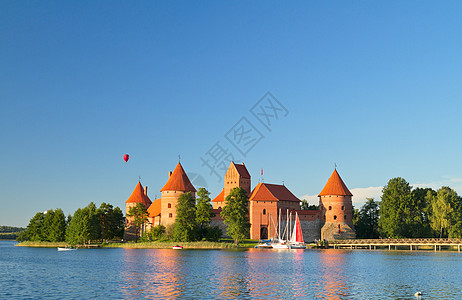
(31, 273)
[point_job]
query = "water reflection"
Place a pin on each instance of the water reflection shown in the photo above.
(332, 283)
(152, 272)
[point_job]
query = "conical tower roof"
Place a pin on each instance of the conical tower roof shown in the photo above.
(335, 186)
(178, 181)
(139, 196)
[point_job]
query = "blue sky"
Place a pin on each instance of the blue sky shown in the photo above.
(371, 86)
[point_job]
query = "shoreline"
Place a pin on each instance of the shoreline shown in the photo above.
(143, 245)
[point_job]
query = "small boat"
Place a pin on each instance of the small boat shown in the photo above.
(177, 247)
(66, 249)
(296, 240)
(264, 244)
(280, 245)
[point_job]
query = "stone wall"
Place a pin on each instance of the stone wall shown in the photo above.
(311, 230)
(331, 231)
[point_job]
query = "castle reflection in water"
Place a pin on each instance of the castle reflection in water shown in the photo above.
(219, 274)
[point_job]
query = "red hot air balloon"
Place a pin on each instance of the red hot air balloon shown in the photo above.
(126, 157)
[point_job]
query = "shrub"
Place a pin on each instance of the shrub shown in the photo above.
(213, 233)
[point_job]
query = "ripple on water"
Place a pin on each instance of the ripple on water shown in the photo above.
(224, 274)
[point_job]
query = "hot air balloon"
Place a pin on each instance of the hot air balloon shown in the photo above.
(126, 157)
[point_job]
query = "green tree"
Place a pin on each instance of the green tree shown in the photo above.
(395, 208)
(421, 200)
(235, 214)
(34, 229)
(140, 218)
(117, 224)
(366, 220)
(76, 230)
(111, 221)
(203, 210)
(104, 213)
(157, 232)
(57, 230)
(47, 225)
(186, 228)
(306, 206)
(213, 233)
(84, 226)
(446, 214)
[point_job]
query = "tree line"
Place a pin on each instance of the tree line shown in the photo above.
(87, 224)
(10, 232)
(407, 212)
(193, 218)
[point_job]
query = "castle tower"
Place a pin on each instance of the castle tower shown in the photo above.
(336, 209)
(178, 183)
(139, 195)
(236, 176)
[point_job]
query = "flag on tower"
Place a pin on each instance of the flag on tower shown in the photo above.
(262, 172)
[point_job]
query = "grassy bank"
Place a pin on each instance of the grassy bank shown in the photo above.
(42, 244)
(225, 244)
(169, 245)
(153, 245)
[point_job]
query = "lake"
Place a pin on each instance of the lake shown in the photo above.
(227, 274)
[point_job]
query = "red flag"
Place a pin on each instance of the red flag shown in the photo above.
(262, 172)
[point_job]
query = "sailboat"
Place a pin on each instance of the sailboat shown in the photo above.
(280, 243)
(296, 240)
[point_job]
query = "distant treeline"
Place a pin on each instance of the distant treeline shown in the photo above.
(9, 229)
(10, 232)
(87, 224)
(404, 212)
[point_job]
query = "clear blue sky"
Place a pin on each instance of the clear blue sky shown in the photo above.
(372, 86)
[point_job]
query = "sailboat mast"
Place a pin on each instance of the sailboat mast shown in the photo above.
(279, 225)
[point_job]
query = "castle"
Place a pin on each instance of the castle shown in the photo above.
(268, 203)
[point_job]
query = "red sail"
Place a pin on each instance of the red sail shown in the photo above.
(298, 234)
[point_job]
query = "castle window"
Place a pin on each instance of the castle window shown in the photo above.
(170, 215)
(264, 211)
(343, 207)
(335, 217)
(330, 207)
(169, 205)
(344, 217)
(219, 207)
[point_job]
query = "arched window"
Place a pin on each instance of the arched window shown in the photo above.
(330, 207)
(219, 207)
(169, 205)
(264, 211)
(343, 207)
(344, 217)
(335, 217)
(170, 215)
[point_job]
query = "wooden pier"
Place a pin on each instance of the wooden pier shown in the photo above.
(398, 244)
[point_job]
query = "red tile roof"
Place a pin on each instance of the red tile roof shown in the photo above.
(272, 192)
(242, 170)
(154, 209)
(178, 181)
(220, 197)
(335, 186)
(139, 196)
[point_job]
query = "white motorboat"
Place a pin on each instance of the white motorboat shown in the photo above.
(66, 249)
